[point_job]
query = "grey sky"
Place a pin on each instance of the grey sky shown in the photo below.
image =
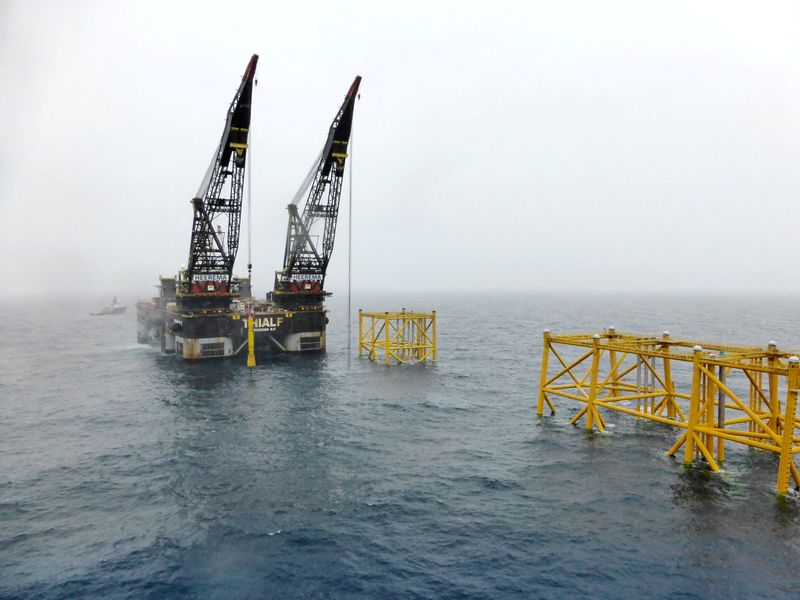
(497, 146)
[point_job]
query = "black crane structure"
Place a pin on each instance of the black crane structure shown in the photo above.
(310, 236)
(218, 204)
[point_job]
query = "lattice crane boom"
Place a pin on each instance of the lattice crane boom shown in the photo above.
(310, 235)
(217, 206)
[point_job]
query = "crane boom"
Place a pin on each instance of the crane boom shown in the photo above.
(217, 205)
(310, 235)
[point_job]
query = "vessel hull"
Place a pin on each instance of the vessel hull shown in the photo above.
(223, 334)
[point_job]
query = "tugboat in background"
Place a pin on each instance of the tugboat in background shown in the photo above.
(115, 308)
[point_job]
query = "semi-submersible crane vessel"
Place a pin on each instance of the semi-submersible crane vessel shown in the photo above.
(203, 313)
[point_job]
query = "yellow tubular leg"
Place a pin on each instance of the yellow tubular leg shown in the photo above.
(543, 376)
(787, 458)
(591, 410)
(694, 406)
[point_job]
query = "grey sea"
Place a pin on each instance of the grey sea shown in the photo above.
(127, 474)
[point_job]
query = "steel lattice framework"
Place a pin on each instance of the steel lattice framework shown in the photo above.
(402, 336)
(218, 203)
(305, 260)
(734, 392)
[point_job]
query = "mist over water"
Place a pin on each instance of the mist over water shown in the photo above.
(124, 473)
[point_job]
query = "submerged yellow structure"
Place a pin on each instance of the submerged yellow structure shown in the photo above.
(251, 343)
(401, 336)
(716, 393)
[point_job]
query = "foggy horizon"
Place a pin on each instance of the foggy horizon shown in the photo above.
(621, 148)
